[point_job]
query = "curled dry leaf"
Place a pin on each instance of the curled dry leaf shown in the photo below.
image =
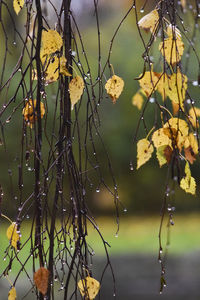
(13, 235)
(88, 287)
(18, 5)
(188, 183)
(144, 152)
(114, 87)
(12, 295)
(30, 113)
(51, 41)
(76, 87)
(150, 21)
(41, 278)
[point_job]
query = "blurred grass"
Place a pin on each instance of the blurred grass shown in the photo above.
(137, 235)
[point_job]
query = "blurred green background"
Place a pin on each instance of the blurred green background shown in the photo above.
(134, 251)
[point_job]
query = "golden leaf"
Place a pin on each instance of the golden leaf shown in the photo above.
(30, 113)
(160, 139)
(172, 50)
(76, 87)
(137, 100)
(12, 295)
(173, 31)
(18, 5)
(150, 21)
(160, 156)
(177, 88)
(191, 148)
(41, 278)
(63, 68)
(177, 131)
(188, 183)
(144, 152)
(175, 107)
(89, 287)
(114, 87)
(194, 112)
(51, 41)
(149, 82)
(163, 85)
(13, 235)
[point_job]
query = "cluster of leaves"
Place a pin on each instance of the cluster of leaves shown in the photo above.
(176, 137)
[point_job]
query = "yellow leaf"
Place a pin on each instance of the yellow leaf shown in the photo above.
(192, 142)
(138, 100)
(163, 85)
(18, 5)
(160, 139)
(63, 68)
(173, 31)
(188, 183)
(89, 287)
(30, 113)
(144, 152)
(12, 235)
(172, 50)
(191, 148)
(160, 156)
(150, 21)
(177, 88)
(41, 278)
(12, 295)
(51, 41)
(194, 112)
(177, 131)
(114, 87)
(149, 82)
(76, 87)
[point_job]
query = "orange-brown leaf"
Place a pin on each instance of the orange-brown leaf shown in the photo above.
(41, 278)
(168, 153)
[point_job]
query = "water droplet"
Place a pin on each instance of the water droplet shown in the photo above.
(14, 43)
(97, 190)
(8, 120)
(114, 295)
(116, 235)
(152, 100)
(131, 166)
(141, 10)
(125, 210)
(27, 216)
(195, 83)
(29, 169)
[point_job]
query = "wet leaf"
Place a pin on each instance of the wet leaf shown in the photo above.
(194, 113)
(148, 82)
(172, 50)
(144, 152)
(150, 21)
(160, 139)
(12, 235)
(188, 183)
(191, 148)
(12, 295)
(114, 87)
(89, 287)
(51, 41)
(76, 87)
(177, 88)
(30, 113)
(138, 100)
(18, 5)
(41, 278)
(177, 131)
